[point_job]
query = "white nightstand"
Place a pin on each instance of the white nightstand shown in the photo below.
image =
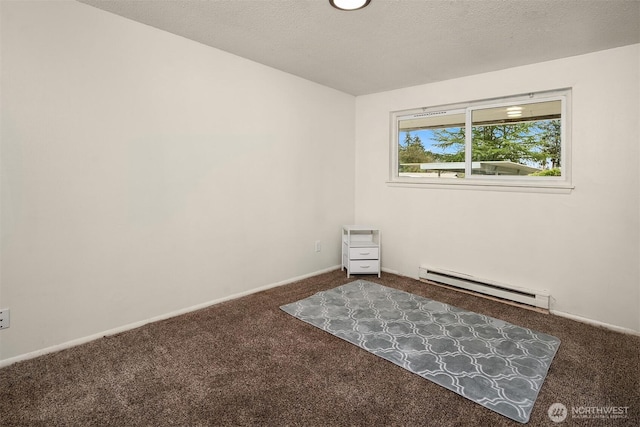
(360, 249)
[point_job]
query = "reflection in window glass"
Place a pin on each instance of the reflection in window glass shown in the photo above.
(520, 139)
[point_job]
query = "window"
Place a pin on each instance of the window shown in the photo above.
(520, 141)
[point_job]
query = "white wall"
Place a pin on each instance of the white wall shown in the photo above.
(583, 247)
(143, 173)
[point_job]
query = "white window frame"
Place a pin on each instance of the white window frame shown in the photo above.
(504, 182)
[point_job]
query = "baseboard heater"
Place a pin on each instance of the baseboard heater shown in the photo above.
(536, 298)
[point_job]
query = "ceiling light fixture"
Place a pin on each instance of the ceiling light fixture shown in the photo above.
(349, 4)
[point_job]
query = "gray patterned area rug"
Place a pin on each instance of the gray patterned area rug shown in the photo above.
(491, 362)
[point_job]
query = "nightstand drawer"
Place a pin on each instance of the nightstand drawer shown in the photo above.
(369, 266)
(364, 253)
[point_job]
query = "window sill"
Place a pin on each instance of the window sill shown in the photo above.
(487, 185)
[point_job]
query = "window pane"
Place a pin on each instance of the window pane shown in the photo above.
(520, 139)
(432, 144)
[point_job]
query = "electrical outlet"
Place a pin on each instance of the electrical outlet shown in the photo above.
(318, 246)
(4, 318)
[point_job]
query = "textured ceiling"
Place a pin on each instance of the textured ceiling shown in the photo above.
(392, 43)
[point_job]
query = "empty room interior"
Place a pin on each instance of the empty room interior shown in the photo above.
(172, 173)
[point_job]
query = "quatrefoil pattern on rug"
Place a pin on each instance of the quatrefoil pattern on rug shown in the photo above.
(491, 362)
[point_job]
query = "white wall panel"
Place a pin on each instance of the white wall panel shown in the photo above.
(143, 173)
(583, 246)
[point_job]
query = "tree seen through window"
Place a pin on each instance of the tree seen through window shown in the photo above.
(536, 144)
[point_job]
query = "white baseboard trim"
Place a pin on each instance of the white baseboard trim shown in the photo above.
(388, 270)
(595, 322)
(124, 328)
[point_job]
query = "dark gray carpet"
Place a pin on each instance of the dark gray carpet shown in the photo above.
(493, 363)
(245, 362)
